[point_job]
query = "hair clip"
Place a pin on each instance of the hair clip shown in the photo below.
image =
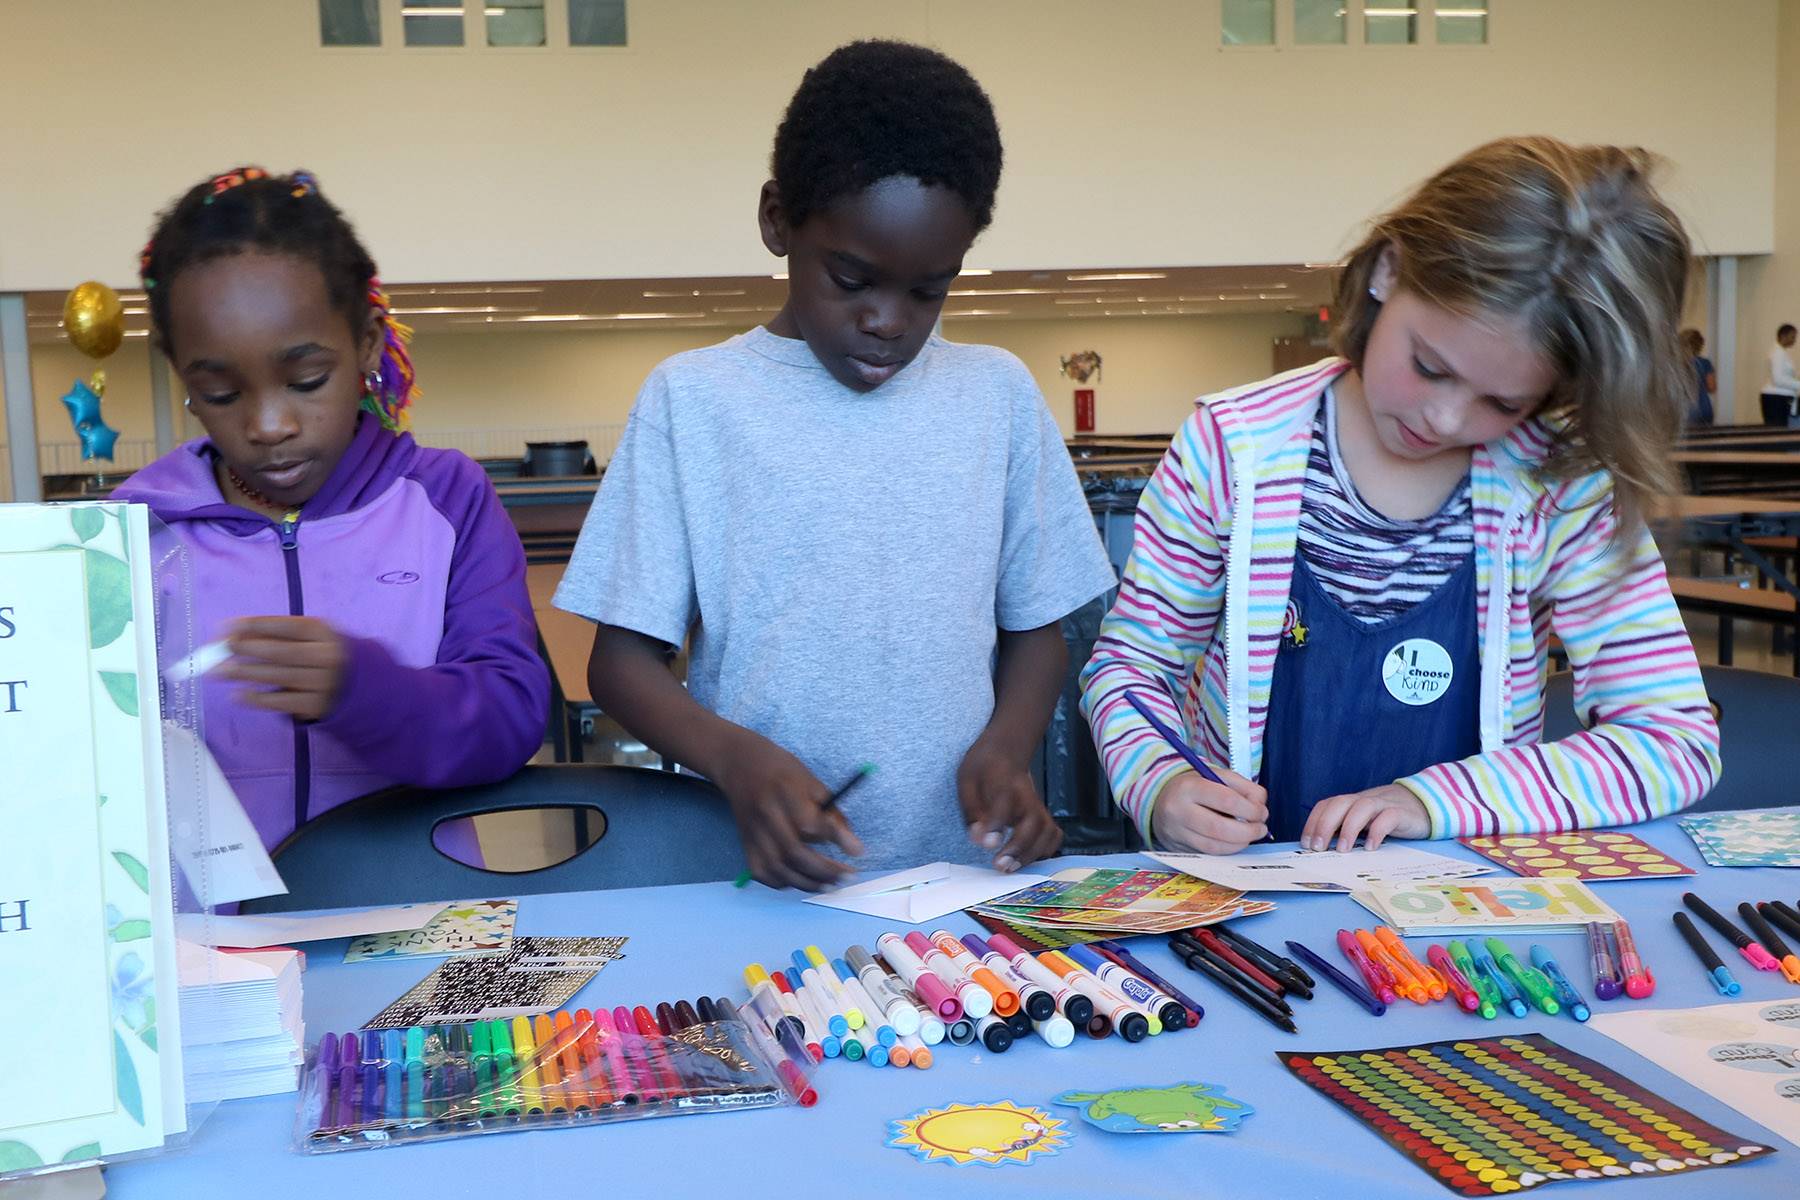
(231, 179)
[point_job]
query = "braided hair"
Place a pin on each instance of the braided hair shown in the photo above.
(249, 209)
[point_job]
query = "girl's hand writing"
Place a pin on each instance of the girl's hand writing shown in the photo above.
(1192, 813)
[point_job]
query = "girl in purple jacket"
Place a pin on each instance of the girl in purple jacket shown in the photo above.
(372, 592)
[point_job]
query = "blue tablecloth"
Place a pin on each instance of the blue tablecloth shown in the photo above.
(690, 940)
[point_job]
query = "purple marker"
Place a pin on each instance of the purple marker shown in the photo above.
(1607, 983)
(321, 1069)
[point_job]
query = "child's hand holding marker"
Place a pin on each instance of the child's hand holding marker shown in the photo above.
(780, 807)
(1197, 814)
(294, 664)
(1002, 808)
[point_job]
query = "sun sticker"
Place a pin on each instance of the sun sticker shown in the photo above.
(991, 1134)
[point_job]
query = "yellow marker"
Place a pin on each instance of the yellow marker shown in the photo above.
(525, 1055)
(853, 1016)
(543, 1033)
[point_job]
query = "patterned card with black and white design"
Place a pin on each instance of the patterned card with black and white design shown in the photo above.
(533, 975)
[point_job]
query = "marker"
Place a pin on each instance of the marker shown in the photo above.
(817, 1023)
(932, 1029)
(1174, 739)
(976, 1001)
(1709, 958)
(1491, 1000)
(960, 1032)
(1379, 986)
(1402, 979)
(1390, 941)
(1132, 1025)
(1195, 956)
(1237, 962)
(1112, 991)
(568, 1062)
(317, 1084)
(393, 1053)
(1638, 980)
(1005, 999)
(919, 1053)
(651, 1047)
(1509, 992)
(594, 1065)
(525, 1055)
(1343, 982)
(550, 1082)
(994, 1033)
(873, 1051)
(919, 977)
(1072, 1004)
(796, 1083)
(831, 996)
(851, 1009)
(373, 1073)
(1166, 1009)
(652, 1086)
(900, 1012)
(1566, 994)
(1758, 957)
(829, 1001)
(1778, 950)
(1608, 985)
(875, 1016)
(509, 1098)
(1536, 988)
(765, 998)
(1467, 998)
(1285, 971)
(1126, 959)
(1036, 1002)
(1055, 1030)
(1780, 914)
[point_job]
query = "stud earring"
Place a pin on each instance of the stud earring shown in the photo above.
(1373, 294)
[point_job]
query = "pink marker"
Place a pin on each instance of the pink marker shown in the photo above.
(919, 977)
(1376, 978)
(977, 1001)
(1638, 980)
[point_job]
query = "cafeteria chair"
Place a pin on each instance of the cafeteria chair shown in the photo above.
(659, 828)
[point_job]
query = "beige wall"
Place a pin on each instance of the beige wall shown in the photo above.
(1769, 287)
(1132, 138)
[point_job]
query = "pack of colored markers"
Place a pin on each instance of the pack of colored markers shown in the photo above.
(392, 1086)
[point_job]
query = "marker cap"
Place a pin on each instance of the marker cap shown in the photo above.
(1056, 1031)
(995, 1034)
(1722, 980)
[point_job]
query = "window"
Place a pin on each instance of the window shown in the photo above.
(1391, 23)
(596, 22)
(515, 22)
(1462, 22)
(432, 22)
(1319, 22)
(350, 22)
(1247, 23)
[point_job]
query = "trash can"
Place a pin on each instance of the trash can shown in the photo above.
(557, 458)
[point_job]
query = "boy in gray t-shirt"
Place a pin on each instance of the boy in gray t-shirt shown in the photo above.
(870, 533)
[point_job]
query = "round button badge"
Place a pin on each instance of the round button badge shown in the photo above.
(1417, 671)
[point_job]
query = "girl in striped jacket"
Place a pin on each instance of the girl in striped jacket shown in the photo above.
(1345, 578)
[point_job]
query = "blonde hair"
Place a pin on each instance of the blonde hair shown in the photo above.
(1573, 242)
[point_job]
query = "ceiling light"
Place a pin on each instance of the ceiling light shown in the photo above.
(446, 309)
(783, 275)
(1095, 278)
(685, 295)
(749, 308)
(1004, 292)
(980, 312)
(971, 272)
(653, 316)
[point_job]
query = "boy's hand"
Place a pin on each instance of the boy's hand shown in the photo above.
(1197, 814)
(780, 807)
(997, 796)
(1377, 814)
(298, 663)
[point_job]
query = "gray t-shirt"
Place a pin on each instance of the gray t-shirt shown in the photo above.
(843, 560)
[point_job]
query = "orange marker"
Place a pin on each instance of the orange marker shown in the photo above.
(1404, 982)
(899, 1056)
(593, 1064)
(568, 1054)
(1006, 1000)
(1427, 978)
(543, 1034)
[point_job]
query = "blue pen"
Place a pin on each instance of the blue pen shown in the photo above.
(1174, 739)
(1566, 995)
(1509, 991)
(1716, 970)
(1345, 984)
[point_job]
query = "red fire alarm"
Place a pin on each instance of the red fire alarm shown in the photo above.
(1084, 410)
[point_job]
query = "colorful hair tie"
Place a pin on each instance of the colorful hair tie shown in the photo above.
(392, 400)
(231, 179)
(303, 184)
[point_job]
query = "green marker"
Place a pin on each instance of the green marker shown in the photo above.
(1484, 987)
(862, 773)
(481, 1058)
(1531, 981)
(506, 1079)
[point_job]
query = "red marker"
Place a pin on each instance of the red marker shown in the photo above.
(1255, 974)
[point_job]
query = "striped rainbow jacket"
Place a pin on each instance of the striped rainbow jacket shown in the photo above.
(1215, 538)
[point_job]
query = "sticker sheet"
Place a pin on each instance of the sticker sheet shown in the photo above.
(533, 975)
(1595, 855)
(470, 927)
(1122, 900)
(1495, 1115)
(1748, 1055)
(1758, 837)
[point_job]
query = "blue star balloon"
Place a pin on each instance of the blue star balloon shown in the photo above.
(97, 437)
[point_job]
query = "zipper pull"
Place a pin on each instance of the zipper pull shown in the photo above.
(290, 530)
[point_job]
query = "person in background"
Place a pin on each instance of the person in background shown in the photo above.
(1706, 380)
(372, 592)
(1781, 394)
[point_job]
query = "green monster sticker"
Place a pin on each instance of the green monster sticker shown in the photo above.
(1173, 1108)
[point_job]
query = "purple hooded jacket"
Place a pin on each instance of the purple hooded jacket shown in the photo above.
(409, 555)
